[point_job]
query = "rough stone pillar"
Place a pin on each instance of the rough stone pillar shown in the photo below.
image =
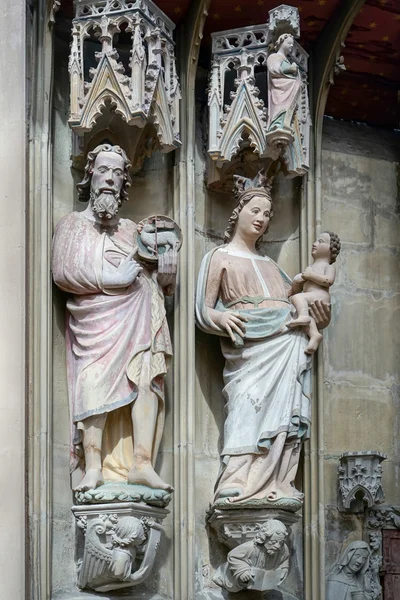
(12, 299)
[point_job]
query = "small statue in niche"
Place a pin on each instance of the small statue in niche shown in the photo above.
(313, 284)
(111, 565)
(117, 337)
(242, 296)
(284, 84)
(348, 579)
(260, 564)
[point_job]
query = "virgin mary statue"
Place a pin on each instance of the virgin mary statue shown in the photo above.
(242, 296)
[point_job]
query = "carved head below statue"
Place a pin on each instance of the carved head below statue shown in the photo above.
(106, 180)
(272, 536)
(244, 191)
(129, 531)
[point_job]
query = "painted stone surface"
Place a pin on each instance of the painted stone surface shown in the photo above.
(118, 343)
(242, 297)
(311, 287)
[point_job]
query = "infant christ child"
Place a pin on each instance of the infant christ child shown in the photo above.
(313, 284)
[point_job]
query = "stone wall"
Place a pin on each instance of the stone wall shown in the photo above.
(360, 186)
(13, 313)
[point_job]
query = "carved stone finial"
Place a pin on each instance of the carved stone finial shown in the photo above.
(147, 90)
(360, 480)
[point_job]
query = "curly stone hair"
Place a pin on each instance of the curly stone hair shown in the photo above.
(281, 39)
(334, 246)
(128, 531)
(268, 529)
(244, 190)
(84, 186)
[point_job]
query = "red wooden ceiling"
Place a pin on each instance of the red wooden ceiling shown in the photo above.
(367, 90)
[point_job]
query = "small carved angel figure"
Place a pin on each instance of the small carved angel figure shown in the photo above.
(312, 285)
(113, 565)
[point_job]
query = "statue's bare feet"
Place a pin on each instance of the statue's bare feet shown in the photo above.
(299, 322)
(92, 479)
(146, 475)
(313, 344)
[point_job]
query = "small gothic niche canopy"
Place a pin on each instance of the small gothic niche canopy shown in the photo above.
(360, 480)
(122, 58)
(258, 94)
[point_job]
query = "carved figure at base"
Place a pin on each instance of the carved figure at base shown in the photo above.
(117, 337)
(348, 579)
(111, 565)
(313, 285)
(242, 296)
(261, 564)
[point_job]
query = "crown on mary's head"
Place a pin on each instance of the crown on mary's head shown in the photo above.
(243, 184)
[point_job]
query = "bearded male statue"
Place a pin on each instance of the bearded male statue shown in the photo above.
(117, 337)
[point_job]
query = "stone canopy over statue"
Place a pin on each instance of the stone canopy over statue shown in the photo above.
(117, 337)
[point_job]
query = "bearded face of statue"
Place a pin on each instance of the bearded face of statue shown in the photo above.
(274, 543)
(106, 184)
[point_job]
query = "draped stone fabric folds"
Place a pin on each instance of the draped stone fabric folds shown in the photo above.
(267, 385)
(108, 332)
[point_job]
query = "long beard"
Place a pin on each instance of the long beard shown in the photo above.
(105, 204)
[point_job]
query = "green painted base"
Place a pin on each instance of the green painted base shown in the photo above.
(289, 504)
(124, 492)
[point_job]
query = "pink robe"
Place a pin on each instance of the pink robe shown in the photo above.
(283, 91)
(107, 331)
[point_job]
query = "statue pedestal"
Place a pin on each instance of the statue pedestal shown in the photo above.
(235, 527)
(121, 541)
(120, 491)
(253, 536)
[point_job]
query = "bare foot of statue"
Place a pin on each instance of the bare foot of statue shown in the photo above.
(313, 344)
(299, 322)
(146, 475)
(92, 479)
